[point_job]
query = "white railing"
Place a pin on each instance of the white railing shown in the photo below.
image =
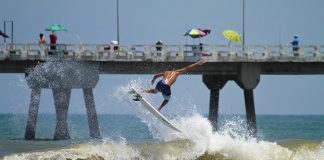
(102, 52)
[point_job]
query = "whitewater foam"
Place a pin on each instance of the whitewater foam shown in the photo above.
(198, 141)
(235, 146)
(107, 149)
(231, 141)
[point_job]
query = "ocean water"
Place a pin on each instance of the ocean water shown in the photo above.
(129, 137)
(142, 136)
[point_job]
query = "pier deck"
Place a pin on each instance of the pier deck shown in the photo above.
(146, 59)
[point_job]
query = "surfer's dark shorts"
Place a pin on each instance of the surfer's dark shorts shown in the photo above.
(161, 86)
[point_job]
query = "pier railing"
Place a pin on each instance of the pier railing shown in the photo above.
(162, 53)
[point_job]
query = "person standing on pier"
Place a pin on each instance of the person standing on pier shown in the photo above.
(53, 40)
(41, 39)
(295, 44)
(169, 77)
(159, 45)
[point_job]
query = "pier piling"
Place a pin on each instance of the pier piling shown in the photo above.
(214, 84)
(61, 100)
(32, 114)
(248, 78)
(91, 113)
(250, 112)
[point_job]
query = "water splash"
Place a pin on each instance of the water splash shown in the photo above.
(230, 142)
(63, 74)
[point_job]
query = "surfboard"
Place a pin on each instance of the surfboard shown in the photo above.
(155, 112)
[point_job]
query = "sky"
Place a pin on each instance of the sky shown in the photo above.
(268, 22)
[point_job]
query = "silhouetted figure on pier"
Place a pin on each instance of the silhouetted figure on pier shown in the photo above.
(158, 46)
(295, 44)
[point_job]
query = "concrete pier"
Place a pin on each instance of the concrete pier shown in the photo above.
(32, 114)
(61, 100)
(78, 68)
(62, 77)
(250, 112)
(91, 113)
(248, 78)
(213, 107)
(214, 84)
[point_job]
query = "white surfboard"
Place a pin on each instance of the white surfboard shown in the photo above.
(155, 112)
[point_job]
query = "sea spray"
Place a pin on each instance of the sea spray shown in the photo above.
(235, 127)
(230, 142)
(63, 74)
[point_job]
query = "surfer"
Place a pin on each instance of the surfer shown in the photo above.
(169, 77)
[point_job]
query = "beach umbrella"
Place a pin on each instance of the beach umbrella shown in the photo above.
(232, 36)
(55, 27)
(195, 33)
(207, 31)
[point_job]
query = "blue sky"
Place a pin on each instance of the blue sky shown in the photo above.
(145, 21)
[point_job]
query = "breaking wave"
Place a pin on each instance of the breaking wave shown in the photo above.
(198, 140)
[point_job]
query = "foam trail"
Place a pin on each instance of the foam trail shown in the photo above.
(231, 143)
(108, 149)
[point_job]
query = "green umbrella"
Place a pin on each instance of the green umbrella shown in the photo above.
(55, 27)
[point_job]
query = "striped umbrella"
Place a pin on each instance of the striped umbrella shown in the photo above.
(195, 33)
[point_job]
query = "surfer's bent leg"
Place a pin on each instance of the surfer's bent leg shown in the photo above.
(163, 104)
(161, 86)
(165, 101)
(150, 91)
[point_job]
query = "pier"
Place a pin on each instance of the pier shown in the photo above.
(79, 66)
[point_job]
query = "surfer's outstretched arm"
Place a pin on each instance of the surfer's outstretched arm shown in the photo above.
(156, 76)
(185, 69)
